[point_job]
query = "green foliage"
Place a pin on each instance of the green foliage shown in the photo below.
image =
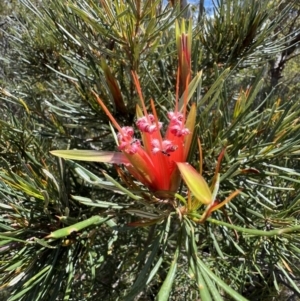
(72, 231)
(242, 32)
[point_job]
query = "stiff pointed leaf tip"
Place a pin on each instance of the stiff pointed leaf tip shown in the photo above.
(196, 183)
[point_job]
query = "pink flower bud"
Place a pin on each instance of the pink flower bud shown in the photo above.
(147, 125)
(134, 146)
(176, 124)
(176, 118)
(168, 146)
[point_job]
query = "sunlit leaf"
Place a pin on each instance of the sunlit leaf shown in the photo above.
(195, 183)
(91, 155)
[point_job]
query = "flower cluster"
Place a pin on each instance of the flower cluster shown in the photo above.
(152, 159)
(147, 124)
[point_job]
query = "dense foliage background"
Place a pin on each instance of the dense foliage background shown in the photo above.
(53, 54)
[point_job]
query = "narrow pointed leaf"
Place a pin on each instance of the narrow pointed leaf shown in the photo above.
(142, 277)
(193, 85)
(121, 188)
(165, 289)
(97, 203)
(190, 124)
(231, 292)
(77, 227)
(227, 200)
(91, 155)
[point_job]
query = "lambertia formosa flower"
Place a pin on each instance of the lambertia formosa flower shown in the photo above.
(151, 160)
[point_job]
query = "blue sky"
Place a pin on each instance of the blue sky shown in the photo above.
(207, 3)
